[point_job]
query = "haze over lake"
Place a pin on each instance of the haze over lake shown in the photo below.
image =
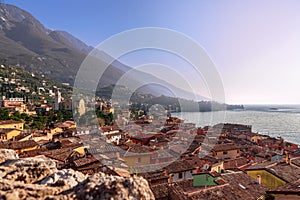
(273, 120)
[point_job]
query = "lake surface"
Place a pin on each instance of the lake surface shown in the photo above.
(273, 121)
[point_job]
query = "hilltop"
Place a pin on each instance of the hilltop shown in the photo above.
(28, 44)
(16, 82)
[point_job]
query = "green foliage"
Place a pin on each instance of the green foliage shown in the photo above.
(107, 117)
(40, 121)
(4, 115)
(25, 79)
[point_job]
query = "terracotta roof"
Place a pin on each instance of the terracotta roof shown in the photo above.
(33, 153)
(65, 124)
(143, 136)
(102, 148)
(235, 163)
(85, 161)
(147, 168)
(59, 154)
(160, 191)
(290, 188)
(179, 148)
(209, 159)
(6, 130)
(194, 161)
(251, 134)
(109, 128)
(179, 166)
(244, 186)
(157, 175)
(286, 172)
(296, 161)
(122, 172)
(233, 186)
(225, 147)
(4, 122)
(73, 145)
(18, 144)
(21, 136)
(136, 148)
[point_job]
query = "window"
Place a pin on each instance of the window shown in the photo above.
(139, 160)
(180, 175)
(225, 152)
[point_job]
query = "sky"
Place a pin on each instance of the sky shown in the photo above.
(254, 44)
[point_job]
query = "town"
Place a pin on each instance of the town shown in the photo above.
(178, 159)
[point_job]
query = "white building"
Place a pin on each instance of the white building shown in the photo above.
(57, 100)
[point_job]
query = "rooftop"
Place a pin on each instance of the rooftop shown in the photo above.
(18, 144)
(5, 122)
(179, 166)
(85, 161)
(235, 163)
(225, 147)
(282, 170)
(236, 185)
(290, 188)
(6, 130)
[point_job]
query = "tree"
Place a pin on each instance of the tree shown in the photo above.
(4, 115)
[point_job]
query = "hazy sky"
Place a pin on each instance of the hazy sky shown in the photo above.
(255, 44)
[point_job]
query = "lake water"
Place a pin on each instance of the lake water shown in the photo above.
(284, 122)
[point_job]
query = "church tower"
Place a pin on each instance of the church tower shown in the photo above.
(57, 100)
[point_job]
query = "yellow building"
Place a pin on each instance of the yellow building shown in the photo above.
(266, 178)
(52, 131)
(274, 174)
(8, 133)
(132, 159)
(81, 107)
(11, 124)
(218, 167)
(226, 151)
(80, 150)
(20, 146)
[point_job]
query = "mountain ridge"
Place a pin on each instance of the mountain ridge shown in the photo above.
(28, 44)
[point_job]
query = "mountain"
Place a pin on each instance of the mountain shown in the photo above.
(25, 42)
(75, 42)
(29, 45)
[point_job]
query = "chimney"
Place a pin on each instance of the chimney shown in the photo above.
(164, 172)
(287, 158)
(170, 180)
(197, 170)
(259, 179)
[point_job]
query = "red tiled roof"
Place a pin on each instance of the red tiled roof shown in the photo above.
(235, 163)
(232, 186)
(33, 153)
(290, 188)
(85, 161)
(6, 130)
(160, 191)
(179, 166)
(4, 122)
(59, 154)
(225, 147)
(286, 172)
(18, 144)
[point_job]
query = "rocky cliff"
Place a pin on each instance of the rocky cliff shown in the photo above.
(38, 178)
